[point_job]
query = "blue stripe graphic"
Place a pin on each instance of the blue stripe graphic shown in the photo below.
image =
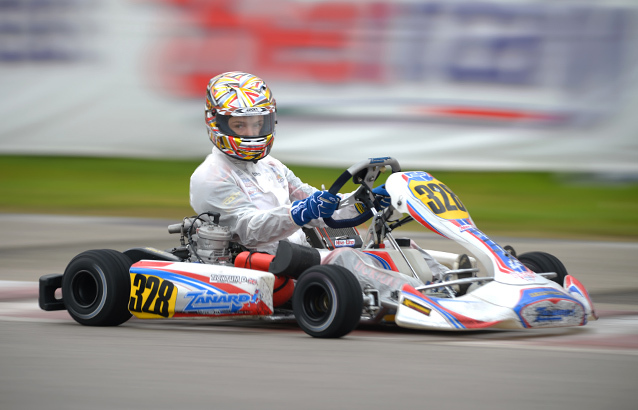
(176, 278)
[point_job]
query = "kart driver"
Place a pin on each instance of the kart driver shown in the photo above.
(257, 197)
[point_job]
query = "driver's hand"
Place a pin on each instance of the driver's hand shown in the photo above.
(321, 204)
(382, 196)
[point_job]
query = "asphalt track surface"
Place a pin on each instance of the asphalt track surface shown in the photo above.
(49, 361)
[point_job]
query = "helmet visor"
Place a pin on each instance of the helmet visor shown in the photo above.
(247, 126)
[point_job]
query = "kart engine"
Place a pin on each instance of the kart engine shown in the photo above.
(213, 243)
(208, 242)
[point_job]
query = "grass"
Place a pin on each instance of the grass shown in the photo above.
(530, 204)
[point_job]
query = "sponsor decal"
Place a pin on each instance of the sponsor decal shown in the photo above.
(340, 243)
(464, 228)
(207, 302)
(418, 176)
(378, 160)
(250, 111)
(231, 198)
(548, 313)
(416, 306)
(546, 307)
(453, 318)
(232, 279)
(551, 314)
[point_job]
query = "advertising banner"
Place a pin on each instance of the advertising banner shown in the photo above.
(491, 85)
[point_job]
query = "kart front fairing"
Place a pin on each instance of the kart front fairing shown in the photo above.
(494, 305)
(539, 303)
(509, 296)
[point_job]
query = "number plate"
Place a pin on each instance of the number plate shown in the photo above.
(437, 196)
(151, 297)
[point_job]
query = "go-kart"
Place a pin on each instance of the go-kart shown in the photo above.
(339, 281)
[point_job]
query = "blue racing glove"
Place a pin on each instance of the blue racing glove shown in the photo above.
(321, 204)
(382, 196)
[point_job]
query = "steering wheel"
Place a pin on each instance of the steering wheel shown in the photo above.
(363, 173)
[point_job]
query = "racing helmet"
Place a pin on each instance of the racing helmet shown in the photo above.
(240, 115)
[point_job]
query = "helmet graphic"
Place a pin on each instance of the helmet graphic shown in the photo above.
(240, 115)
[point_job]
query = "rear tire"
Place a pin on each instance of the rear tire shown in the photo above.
(96, 287)
(539, 262)
(328, 301)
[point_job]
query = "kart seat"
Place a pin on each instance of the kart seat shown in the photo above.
(292, 259)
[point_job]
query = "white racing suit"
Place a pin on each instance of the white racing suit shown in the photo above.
(253, 199)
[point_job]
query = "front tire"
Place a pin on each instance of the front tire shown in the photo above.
(96, 287)
(540, 262)
(328, 301)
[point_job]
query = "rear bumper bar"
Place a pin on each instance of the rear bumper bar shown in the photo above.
(46, 297)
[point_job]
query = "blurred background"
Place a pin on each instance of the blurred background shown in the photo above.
(525, 108)
(460, 85)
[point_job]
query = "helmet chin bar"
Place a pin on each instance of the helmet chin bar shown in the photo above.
(244, 149)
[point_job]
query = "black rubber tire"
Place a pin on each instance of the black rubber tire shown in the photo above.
(328, 301)
(510, 250)
(96, 287)
(540, 262)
